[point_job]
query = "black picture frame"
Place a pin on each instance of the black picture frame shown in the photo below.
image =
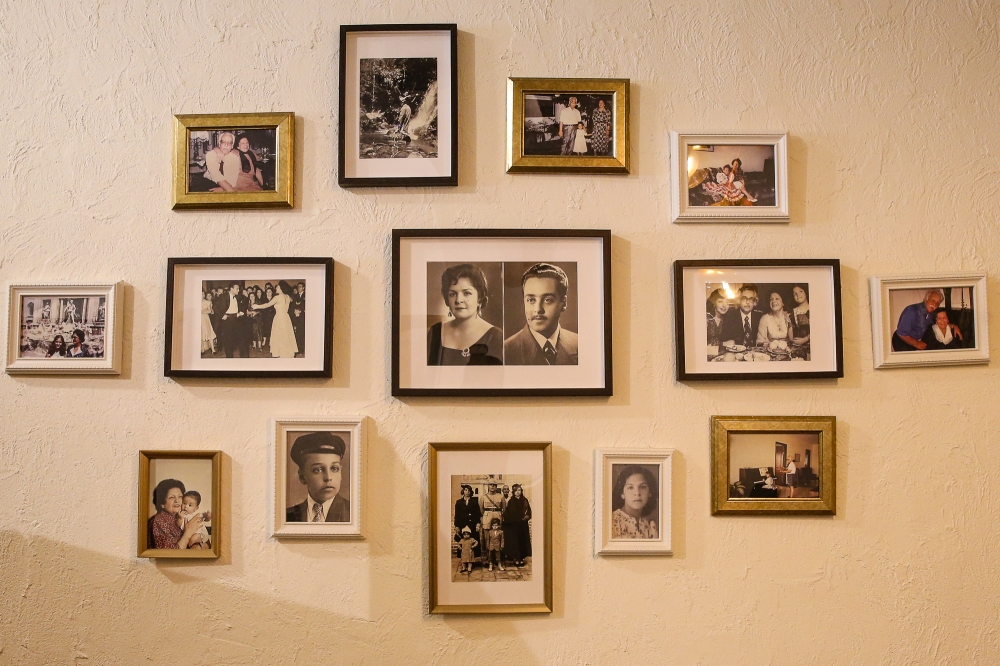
(606, 388)
(327, 348)
(684, 374)
(418, 181)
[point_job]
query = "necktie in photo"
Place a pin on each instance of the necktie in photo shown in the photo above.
(550, 353)
(746, 329)
(317, 513)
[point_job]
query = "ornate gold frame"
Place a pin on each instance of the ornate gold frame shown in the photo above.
(518, 162)
(218, 512)
(824, 426)
(282, 197)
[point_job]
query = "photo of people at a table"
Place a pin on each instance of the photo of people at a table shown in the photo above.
(757, 322)
(775, 466)
(933, 318)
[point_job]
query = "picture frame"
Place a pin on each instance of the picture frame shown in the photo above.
(703, 189)
(805, 329)
(538, 141)
(747, 480)
(290, 338)
(961, 297)
(491, 346)
(44, 321)
(206, 159)
(335, 447)
(462, 577)
(632, 517)
(398, 98)
(166, 482)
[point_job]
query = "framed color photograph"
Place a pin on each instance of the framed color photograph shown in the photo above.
(774, 464)
(501, 312)
(398, 105)
(758, 319)
(56, 329)
(490, 527)
(180, 504)
(632, 501)
(728, 177)
(249, 317)
(317, 465)
(567, 125)
(937, 319)
(234, 160)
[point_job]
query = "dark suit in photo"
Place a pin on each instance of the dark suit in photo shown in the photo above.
(732, 327)
(339, 511)
(522, 349)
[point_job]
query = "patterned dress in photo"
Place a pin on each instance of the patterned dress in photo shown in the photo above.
(624, 526)
(601, 123)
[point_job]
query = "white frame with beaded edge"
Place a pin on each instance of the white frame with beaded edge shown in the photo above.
(603, 484)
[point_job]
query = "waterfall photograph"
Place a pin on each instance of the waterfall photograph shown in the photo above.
(398, 108)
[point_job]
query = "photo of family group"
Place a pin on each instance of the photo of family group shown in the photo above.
(758, 322)
(62, 327)
(934, 318)
(502, 313)
(398, 109)
(774, 466)
(731, 175)
(635, 501)
(318, 469)
(568, 124)
(491, 527)
(231, 160)
(179, 505)
(253, 318)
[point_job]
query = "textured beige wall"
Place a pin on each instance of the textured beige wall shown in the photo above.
(891, 111)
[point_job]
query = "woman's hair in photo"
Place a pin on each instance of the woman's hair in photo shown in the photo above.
(195, 494)
(804, 287)
(162, 488)
(516, 487)
(737, 163)
(61, 347)
(941, 311)
(712, 298)
(472, 273)
(286, 288)
(654, 490)
(465, 487)
(79, 334)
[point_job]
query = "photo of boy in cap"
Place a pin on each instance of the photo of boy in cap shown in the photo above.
(319, 456)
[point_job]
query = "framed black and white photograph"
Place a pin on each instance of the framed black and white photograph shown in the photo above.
(398, 105)
(758, 319)
(567, 125)
(936, 319)
(61, 329)
(501, 312)
(249, 317)
(490, 527)
(729, 177)
(317, 465)
(632, 501)
(774, 464)
(180, 504)
(235, 160)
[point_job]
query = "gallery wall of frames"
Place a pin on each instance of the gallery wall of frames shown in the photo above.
(497, 339)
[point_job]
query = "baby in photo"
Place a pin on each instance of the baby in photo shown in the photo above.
(189, 509)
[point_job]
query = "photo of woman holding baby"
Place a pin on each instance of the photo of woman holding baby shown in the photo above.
(180, 521)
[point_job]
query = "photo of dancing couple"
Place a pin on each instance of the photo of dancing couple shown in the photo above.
(492, 527)
(179, 494)
(253, 318)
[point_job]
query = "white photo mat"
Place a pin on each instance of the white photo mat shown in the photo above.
(604, 481)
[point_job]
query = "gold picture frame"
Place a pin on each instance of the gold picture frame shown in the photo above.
(144, 527)
(808, 491)
(278, 183)
(457, 462)
(547, 91)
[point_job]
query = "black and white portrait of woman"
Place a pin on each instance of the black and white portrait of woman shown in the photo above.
(461, 313)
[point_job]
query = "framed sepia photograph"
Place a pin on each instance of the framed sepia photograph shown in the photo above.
(632, 501)
(65, 329)
(249, 317)
(758, 319)
(490, 527)
(501, 312)
(180, 504)
(234, 160)
(936, 319)
(774, 464)
(567, 125)
(317, 465)
(398, 105)
(729, 177)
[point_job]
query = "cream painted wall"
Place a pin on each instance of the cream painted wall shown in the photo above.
(891, 112)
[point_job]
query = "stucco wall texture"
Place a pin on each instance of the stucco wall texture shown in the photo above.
(891, 113)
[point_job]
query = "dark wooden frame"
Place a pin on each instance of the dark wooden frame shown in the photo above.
(327, 370)
(604, 235)
(684, 375)
(420, 181)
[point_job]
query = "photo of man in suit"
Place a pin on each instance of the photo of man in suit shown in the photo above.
(739, 325)
(320, 456)
(542, 341)
(234, 337)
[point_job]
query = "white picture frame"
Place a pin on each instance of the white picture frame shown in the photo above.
(284, 431)
(608, 465)
(26, 353)
(754, 147)
(889, 294)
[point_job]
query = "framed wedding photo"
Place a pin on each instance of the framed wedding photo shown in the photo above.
(234, 160)
(490, 527)
(398, 105)
(728, 177)
(249, 317)
(65, 329)
(632, 501)
(758, 319)
(317, 466)
(774, 464)
(936, 319)
(567, 125)
(180, 504)
(501, 312)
